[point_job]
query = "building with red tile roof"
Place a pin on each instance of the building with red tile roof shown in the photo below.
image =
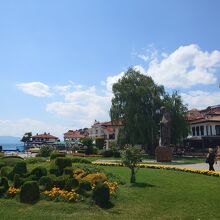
(204, 127)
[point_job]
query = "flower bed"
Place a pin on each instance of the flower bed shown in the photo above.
(141, 165)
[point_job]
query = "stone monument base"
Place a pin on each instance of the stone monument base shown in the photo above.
(163, 154)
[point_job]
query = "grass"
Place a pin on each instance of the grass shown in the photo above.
(158, 194)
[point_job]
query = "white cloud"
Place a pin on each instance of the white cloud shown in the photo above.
(201, 99)
(20, 126)
(185, 67)
(111, 80)
(82, 106)
(38, 89)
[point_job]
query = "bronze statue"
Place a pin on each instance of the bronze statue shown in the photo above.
(165, 128)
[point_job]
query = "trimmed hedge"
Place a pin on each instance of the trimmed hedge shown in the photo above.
(85, 186)
(63, 162)
(11, 160)
(59, 181)
(47, 182)
(68, 171)
(2, 164)
(55, 170)
(33, 160)
(107, 153)
(39, 171)
(71, 183)
(20, 168)
(30, 192)
(7, 171)
(17, 181)
(80, 160)
(54, 155)
(101, 195)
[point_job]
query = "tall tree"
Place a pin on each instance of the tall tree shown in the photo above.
(136, 99)
(26, 138)
(179, 124)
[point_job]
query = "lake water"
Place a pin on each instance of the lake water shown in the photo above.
(12, 147)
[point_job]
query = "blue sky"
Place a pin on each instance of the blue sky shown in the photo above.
(58, 59)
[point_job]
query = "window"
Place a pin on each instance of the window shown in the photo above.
(202, 130)
(193, 131)
(197, 131)
(207, 130)
(217, 129)
(210, 130)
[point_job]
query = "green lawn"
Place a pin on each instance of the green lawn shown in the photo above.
(158, 194)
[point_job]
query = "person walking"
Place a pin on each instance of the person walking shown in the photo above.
(211, 158)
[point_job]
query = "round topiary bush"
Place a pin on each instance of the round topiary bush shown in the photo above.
(39, 172)
(55, 170)
(68, 171)
(63, 162)
(71, 184)
(7, 171)
(47, 182)
(101, 195)
(20, 168)
(30, 192)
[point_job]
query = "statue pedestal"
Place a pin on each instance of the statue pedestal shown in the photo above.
(163, 154)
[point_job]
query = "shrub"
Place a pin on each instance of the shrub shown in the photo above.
(45, 150)
(29, 178)
(95, 178)
(3, 185)
(82, 151)
(2, 164)
(7, 171)
(39, 171)
(33, 160)
(30, 192)
(89, 150)
(68, 171)
(80, 160)
(101, 194)
(107, 153)
(17, 181)
(84, 185)
(55, 170)
(63, 162)
(59, 181)
(54, 155)
(71, 183)
(116, 153)
(11, 160)
(20, 168)
(100, 141)
(47, 182)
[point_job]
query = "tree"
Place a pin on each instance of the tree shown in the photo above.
(179, 124)
(26, 138)
(131, 156)
(88, 142)
(136, 99)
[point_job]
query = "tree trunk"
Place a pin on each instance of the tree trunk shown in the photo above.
(133, 178)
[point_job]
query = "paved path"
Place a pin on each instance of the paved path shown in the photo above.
(197, 166)
(200, 166)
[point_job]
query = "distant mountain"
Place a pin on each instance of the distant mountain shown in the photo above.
(9, 140)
